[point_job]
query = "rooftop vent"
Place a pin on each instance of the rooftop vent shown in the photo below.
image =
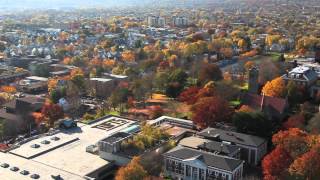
(35, 146)
(55, 138)
(45, 142)
(35, 176)
(24, 172)
(15, 169)
(4, 165)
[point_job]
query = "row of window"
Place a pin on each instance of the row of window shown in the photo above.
(203, 174)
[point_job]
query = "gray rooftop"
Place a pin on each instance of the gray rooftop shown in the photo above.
(233, 137)
(209, 159)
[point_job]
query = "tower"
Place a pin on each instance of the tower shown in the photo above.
(253, 80)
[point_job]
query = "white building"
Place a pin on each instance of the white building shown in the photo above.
(180, 21)
(72, 153)
(190, 164)
(156, 21)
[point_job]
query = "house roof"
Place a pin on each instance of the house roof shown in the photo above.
(255, 101)
(233, 137)
(209, 159)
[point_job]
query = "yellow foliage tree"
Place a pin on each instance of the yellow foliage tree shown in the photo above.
(274, 88)
(133, 171)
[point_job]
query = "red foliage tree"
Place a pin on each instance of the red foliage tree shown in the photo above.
(294, 141)
(276, 163)
(207, 111)
(52, 112)
(189, 95)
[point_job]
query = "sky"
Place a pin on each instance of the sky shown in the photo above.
(49, 4)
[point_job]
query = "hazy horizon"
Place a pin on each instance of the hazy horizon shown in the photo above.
(56, 4)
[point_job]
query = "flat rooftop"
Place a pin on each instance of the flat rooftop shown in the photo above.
(69, 153)
(100, 79)
(44, 171)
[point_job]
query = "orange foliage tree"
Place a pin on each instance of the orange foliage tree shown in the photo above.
(296, 156)
(128, 56)
(51, 112)
(132, 171)
(38, 117)
(8, 89)
(274, 88)
(52, 84)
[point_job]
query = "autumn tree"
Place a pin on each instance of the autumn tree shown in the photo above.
(8, 89)
(189, 95)
(294, 141)
(209, 72)
(132, 171)
(295, 121)
(274, 88)
(128, 56)
(275, 165)
(51, 112)
(210, 110)
(307, 166)
(313, 125)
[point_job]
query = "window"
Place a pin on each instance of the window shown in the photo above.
(201, 174)
(252, 156)
(188, 171)
(194, 173)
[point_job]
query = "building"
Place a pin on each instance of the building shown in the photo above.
(101, 87)
(174, 121)
(33, 84)
(180, 21)
(301, 76)
(17, 113)
(253, 81)
(72, 154)
(156, 21)
(190, 164)
(273, 107)
(218, 148)
(253, 148)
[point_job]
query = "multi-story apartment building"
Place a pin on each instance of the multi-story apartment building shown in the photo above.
(156, 21)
